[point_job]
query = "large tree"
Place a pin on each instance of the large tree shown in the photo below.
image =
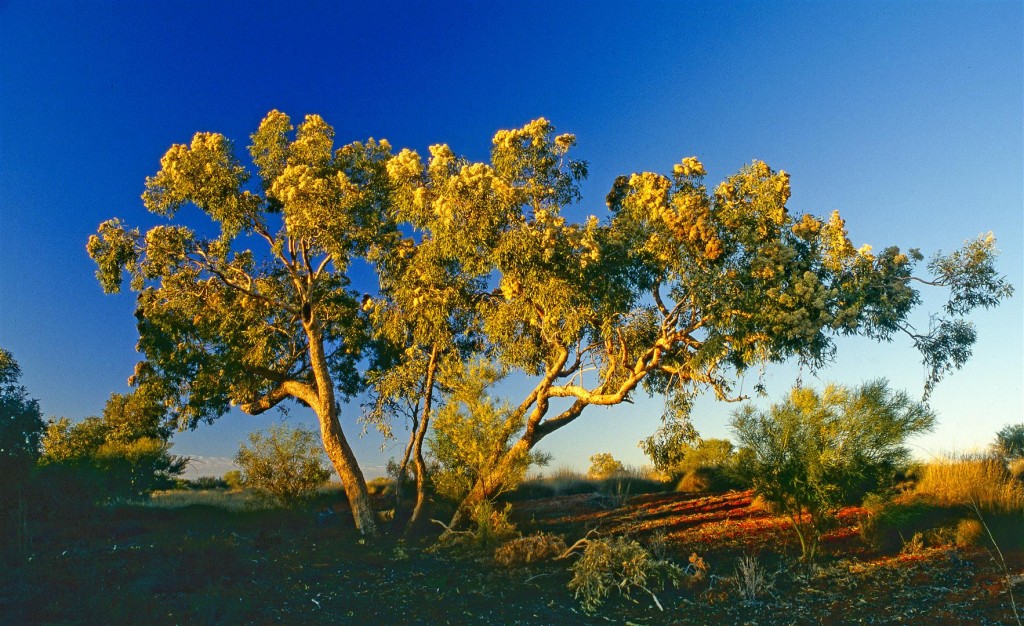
(679, 289)
(256, 308)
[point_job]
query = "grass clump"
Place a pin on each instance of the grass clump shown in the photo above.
(623, 565)
(984, 482)
(529, 549)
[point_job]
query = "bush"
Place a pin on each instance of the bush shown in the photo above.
(814, 453)
(233, 480)
(122, 454)
(208, 482)
(470, 432)
(890, 525)
(604, 465)
(623, 565)
(285, 465)
(530, 549)
(969, 533)
(1009, 443)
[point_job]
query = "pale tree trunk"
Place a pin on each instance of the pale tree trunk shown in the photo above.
(400, 478)
(421, 466)
(344, 461)
(338, 450)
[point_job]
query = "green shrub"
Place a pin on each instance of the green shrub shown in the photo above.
(208, 482)
(285, 465)
(622, 565)
(472, 431)
(969, 533)
(604, 465)
(233, 480)
(1009, 443)
(813, 453)
(122, 454)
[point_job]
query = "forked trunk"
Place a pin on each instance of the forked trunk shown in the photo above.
(421, 466)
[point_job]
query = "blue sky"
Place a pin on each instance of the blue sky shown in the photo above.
(907, 117)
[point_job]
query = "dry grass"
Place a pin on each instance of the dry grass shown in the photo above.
(971, 481)
(219, 498)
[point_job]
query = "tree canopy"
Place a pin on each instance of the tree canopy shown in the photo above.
(677, 289)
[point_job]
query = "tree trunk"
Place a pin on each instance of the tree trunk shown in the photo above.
(486, 487)
(333, 437)
(400, 478)
(344, 461)
(421, 432)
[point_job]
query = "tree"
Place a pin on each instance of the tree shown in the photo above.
(21, 429)
(285, 463)
(1009, 443)
(470, 431)
(259, 312)
(124, 453)
(680, 290)
(21, 424)
(604, 465)
(815, 452)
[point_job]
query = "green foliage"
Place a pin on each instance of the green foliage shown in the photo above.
(285, 464)
(1009, 443)
(604, 465)
(233, 480)
(471, 431)
(124, 453)
(668, 446)
(623, 565)
(21, 424)
(813, 453)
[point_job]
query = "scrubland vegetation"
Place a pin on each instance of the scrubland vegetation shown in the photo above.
(814, 510)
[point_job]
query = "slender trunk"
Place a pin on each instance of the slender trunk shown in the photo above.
(486, 487)
(335, 444)
(400, 478)
(421, 432)
(344, 461)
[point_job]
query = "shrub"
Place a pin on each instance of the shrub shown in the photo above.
(472, 431)
(233, 479)
(1009, 443)
(604, 465)
(751, 580)
(814, 453)
(122, 454)
(529, 549)
(285, 465)
(969, 532)
(208, 482)
(623, 565)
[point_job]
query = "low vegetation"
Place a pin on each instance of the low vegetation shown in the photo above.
(284, 465)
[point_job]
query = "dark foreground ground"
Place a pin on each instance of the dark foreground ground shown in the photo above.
(203, 565)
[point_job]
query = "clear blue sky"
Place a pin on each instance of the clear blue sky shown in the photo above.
(907, 117)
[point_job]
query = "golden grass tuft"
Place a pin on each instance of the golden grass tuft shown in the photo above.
(971, 481)
(235, 500)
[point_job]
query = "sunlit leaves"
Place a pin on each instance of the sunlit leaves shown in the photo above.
(971, 276)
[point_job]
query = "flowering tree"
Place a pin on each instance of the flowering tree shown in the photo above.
(260, 311)
(679, 290)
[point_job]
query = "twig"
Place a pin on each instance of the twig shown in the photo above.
(1002, 561)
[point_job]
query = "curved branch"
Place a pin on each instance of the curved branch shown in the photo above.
(287, 389)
